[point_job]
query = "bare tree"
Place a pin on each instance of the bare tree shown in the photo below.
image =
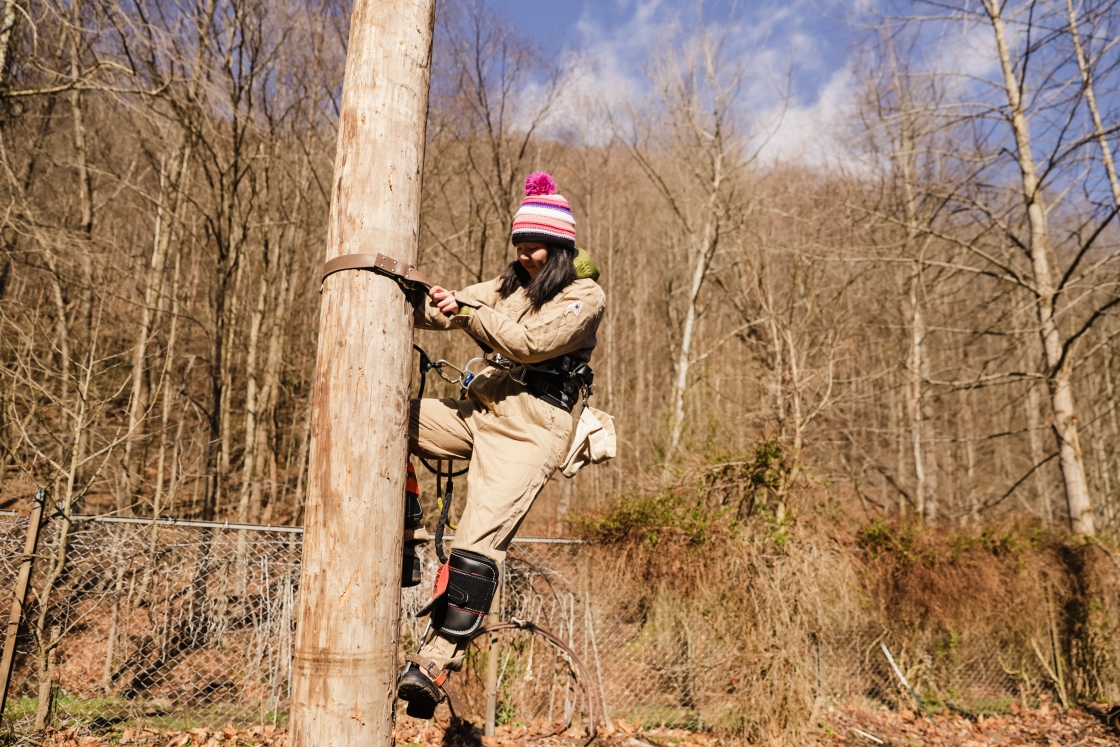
(695, 154)
(484, 134)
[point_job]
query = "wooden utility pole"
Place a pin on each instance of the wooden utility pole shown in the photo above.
(345, 666)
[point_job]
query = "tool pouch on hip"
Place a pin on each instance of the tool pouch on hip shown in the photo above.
(465, 588)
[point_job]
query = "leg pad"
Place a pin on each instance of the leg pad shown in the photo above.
(459, 608)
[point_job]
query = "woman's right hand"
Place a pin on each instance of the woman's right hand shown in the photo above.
(444, 300)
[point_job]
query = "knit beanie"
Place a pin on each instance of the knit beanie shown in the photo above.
(544, 215)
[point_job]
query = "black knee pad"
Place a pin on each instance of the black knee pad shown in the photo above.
(472, 580)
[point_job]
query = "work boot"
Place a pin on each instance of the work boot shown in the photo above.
(420, 691)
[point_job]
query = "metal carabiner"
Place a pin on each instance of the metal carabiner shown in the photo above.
(442, 364)
(468, 376)
(517, 371)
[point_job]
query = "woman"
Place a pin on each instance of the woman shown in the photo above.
(539, 318)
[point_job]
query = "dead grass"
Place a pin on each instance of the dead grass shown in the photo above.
(750, 592)
(1043, 727)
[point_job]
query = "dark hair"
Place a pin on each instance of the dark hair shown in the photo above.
(558, 273)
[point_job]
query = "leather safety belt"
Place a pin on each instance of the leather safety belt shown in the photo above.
(406, 275)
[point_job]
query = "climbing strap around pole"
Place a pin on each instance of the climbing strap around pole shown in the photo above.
(406, 275)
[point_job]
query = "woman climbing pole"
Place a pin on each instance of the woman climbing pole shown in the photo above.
(539, 319)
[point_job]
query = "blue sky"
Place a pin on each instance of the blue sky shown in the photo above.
(807, 40)
(542, 20)
(576, 22)
(808, 49)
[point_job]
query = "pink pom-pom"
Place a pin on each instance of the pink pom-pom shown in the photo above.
(539, 183)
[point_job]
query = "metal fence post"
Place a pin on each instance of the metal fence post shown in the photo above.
(492, 657)
(19, 595)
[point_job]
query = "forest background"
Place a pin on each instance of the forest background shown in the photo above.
(918, 325)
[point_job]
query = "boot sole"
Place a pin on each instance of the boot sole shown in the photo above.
(420, 696)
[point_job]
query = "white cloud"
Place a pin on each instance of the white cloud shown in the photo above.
(605, 69)
(812, 133)
(771, 38)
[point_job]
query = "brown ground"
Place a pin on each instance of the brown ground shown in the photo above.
(1046, 727)
(1043, 727)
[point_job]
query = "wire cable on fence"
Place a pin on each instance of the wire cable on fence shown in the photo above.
(583, 677)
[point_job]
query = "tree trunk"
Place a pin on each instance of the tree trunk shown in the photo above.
(270, 394)
(6, 449)
(1091, 99)
(48, 641)
(684, 355)
(8, 21)
(705, 251)
(47, 675)
(300, 502)
(85, 183)
(899, 429)
(249, 466)
(344, 674)
(1059, 374)
(968, 435)
(232, 342)
(62, 329)
(217, 451)
(1034, 406)
(914, 398)
(170, 184)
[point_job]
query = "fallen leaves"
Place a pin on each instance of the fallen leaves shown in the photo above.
(228, 736)
(1021, 728)
(848, 726)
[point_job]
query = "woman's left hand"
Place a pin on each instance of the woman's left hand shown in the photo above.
(444, 300)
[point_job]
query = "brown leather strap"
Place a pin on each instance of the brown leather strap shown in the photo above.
(402, 272)
(453, 702)
(428, 667)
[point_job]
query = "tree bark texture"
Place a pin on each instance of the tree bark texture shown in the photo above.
(347, 637)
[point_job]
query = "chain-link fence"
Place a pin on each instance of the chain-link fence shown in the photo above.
(173, 625)
(177, 626)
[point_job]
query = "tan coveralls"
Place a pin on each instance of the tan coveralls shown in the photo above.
(514, 440)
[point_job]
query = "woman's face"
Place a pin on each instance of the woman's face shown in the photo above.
(532, 256)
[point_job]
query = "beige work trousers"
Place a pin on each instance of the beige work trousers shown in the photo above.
(514, 442)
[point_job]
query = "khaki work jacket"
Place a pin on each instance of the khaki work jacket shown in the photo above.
(566, 325)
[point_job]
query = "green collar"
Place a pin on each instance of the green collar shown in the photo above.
(585, 265)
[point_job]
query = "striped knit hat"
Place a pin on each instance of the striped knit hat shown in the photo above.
(544, 215)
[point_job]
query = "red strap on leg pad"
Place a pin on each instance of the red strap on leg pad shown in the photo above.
(442, 577)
